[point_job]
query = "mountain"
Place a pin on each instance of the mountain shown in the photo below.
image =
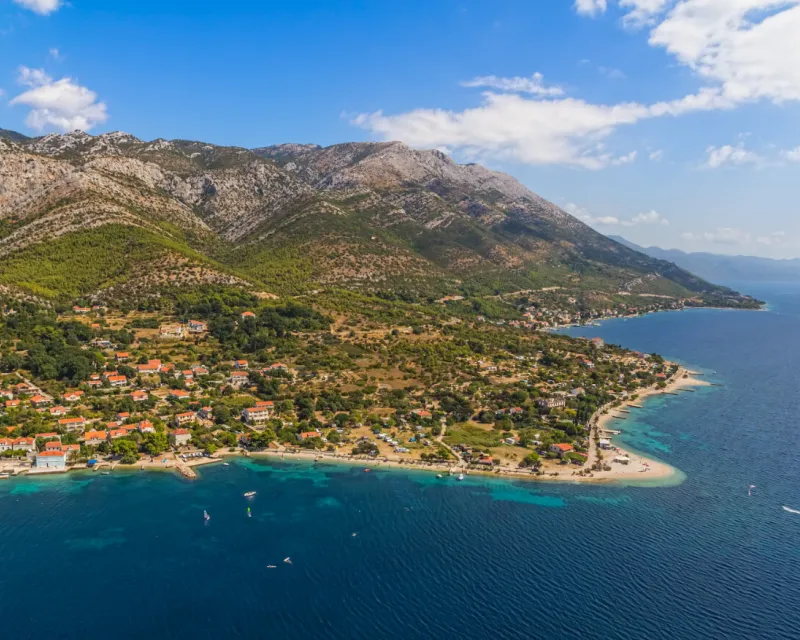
(723, 268)
(112, 215)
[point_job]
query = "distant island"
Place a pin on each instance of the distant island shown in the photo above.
(724, 268)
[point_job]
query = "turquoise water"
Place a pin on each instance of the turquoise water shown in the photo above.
(129, 555)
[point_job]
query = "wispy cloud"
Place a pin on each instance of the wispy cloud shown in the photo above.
(732, 236)
(533, 85)
(730, 155)
(647, 218)
(42, 7)
(591, 7)
(55, 54)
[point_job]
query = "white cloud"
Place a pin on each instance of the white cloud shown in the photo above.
(776, 237)
(42, 7)
(61, 104)
(647, 218)
(611, 72)
(55, 54)
(533, 85)
(642, 12)
(749, 49)
(657, 155)
(590, 7)
(730, 155)
(792, 155)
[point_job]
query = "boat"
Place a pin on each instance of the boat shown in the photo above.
(249, 494)
(225, 464)
(249, 513)
(439, 475)
(460, 476)
(367, 470)
(4, 476)
(287, 560)
(106, 473)
(206, 517)
(272, 566)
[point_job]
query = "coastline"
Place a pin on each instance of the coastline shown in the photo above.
(641, 468)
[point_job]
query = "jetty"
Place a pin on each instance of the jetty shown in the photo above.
(186, 471)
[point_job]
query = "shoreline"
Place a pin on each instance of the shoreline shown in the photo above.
(641, 468)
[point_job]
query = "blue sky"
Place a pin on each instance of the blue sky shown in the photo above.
(671, 122)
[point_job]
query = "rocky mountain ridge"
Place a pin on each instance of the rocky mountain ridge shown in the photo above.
(291, 217)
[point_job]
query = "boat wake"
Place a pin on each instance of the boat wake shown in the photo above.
(790, 510)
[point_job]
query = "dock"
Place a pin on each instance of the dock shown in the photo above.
(186, 471)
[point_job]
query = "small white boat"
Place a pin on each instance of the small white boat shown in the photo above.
(226, 464)
(249, 494)
(272, 566)
(287, 560)
(206, 517)
(460, 476)
(439, 475)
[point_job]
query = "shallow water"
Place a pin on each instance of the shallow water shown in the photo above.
(129, 554)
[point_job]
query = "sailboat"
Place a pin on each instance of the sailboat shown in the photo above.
(287, 560)
(206, 517)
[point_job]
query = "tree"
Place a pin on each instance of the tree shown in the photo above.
(531, 460)
(126, 450)
(155, 443)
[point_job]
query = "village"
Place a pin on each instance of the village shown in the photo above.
(165, 398)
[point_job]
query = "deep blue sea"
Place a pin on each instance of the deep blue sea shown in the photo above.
(129, 556)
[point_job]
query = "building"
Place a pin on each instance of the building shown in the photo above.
(117, 381)
(557, 402)
(598, 342)
(6, 444)
(95, 437)
(139, 396)
(113, 434)
(122, 356)
(52, 445)
(53, 460)
(181, 437)
(604, 443)
(424, 414)
(248, 315)
(145, 426)
(197, 326)
(50, 435)
(307, 435)
(239, 379)
(200, 371)
(561, 448)
(241, 364)
(187, 417)
(80, 310)
(73, 396)
(72, 424)
(152, 366)
(59, 411)
(171, 331)
(206, 413)
(179, 394)
(24, 444)
(40, 401)
(260, 413)
(12, 404)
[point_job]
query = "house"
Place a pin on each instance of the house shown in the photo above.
(552, 403)
(181, 437)
(23, 389)
(424, 414)
(145, 426)
(40, 401)
(122, 356)
(206, 413)
(52, 460)
(239, 379)
(510, 441)
(113, 434)
(58, 411)
(6, 444)
(50, 435)
(200, 371)
(240, 364)
(12, 404)
(604, 443)
(152, 366)
(561, 448)
(197, 326)
(94, 381)
(278, 366)
(179, 394)
(73, 396)
(80, 310)
(24, 444)
(187, 374)
(181, 419)
(52, 445)
(72, 424)
(7, 394)
(248, 314)
(307, 435)
(117, 381)
(486, 461)
(515, 411)
(139, 396)
(260, 413)
(122, 416)
(95, 437)
(598, 342)
(171, 331)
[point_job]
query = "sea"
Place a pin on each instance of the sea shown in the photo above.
(399, 554)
